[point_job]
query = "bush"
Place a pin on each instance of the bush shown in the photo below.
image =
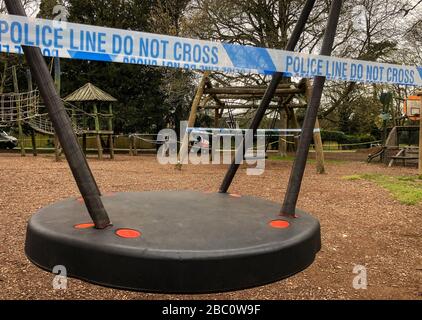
(332, 136)
(344, 139)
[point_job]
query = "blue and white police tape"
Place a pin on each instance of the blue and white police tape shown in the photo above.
(78, 41)
(234, 130)
(239, 131)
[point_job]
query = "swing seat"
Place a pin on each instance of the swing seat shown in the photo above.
(175, 241)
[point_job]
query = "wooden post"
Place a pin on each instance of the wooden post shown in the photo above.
(110, 128)
(29, 79)
(84, 129)
(319, 150)
(292, 123)
(19, 110)
(135, 146)
(99, 147)
(295, 125)
(73, 118)
(30, 88)
(282, 142)
(111, 146)
(133, 151)
(97, 130)
(130, 145)
(84, 143)
(84, 122)
(56, 148)
(192, 117)
(34, 144)
(3, 77)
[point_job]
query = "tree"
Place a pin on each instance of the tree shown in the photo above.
(259, 23)
(167, 17)
(368, 30)
(412, 47)
(146, 101)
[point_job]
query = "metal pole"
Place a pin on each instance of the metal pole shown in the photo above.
(296, 175)
(269, 93)
(63, 128)
(58, 85)
(420, 142)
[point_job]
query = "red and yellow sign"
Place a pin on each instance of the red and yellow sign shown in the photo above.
(412, 107)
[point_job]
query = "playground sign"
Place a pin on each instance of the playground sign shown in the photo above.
(78, 41)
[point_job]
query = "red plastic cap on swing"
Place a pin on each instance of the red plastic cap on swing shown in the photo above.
(279, 224)
(84, 225)
(128, 233)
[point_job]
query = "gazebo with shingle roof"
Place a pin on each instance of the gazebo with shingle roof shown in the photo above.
(96, 97)
(89, 92)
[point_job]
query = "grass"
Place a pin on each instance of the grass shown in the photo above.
(406, 189)
(280, 158)
(353, 177)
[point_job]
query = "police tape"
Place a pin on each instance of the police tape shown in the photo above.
(86, 42)
(352, 144)
(231, 131)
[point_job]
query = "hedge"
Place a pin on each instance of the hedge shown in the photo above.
(342, 138)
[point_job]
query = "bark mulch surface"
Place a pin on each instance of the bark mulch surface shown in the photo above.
(362, 224)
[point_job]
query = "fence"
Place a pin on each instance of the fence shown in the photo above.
(121, 142)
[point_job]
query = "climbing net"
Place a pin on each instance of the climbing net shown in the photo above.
(18, 106)
(26, 107)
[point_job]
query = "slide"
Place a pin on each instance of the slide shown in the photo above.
(378, 152)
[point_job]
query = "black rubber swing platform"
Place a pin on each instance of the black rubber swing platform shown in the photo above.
(175, 241)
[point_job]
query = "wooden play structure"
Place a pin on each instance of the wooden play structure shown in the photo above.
(233, 101)
(402, 154)
(19, 107)
(393, 151)
(96, 118)
(408, 154)
(25, 109)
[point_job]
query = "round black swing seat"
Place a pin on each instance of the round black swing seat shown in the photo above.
(174, 241)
